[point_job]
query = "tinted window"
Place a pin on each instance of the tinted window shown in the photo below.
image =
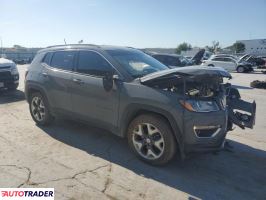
(160, 58)
(47, 58)
(172, 61)
(228, 60)
(93, 64)
(218, 59)
(63, 60)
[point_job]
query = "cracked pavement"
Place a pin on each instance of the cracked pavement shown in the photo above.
(82, 162)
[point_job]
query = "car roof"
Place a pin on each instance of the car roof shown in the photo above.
(222, 56)
(84, 46)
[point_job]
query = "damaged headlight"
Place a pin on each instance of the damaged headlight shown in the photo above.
(199, 105)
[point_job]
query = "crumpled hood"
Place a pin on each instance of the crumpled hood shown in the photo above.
(194, 71)
(5, 62)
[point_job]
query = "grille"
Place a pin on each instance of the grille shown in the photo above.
(5, 76)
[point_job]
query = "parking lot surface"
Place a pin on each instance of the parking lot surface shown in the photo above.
(82, 162)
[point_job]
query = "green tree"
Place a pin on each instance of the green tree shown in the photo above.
(214, 47)
(183, 47)
(239, 47)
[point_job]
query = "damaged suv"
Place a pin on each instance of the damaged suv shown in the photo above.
(129, 93)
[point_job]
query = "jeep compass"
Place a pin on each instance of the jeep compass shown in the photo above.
(129, 93)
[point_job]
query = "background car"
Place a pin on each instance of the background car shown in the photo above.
(172, 60)
(9, 76)
(230, 63)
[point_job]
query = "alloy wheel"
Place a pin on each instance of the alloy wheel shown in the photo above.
(148, 141)
(38, 108)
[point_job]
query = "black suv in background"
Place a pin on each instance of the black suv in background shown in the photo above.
(131, 94)
(172, 60)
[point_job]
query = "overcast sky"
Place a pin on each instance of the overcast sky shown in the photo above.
(136, 23)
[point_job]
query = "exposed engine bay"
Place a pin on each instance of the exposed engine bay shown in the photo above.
(206, 88)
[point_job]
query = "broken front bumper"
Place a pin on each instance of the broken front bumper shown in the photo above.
(240, 112)
(207, 131)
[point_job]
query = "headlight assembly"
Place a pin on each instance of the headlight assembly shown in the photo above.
(199, 105)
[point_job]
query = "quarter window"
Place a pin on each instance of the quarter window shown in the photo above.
(63, 60)
(93, 64)
(47, 58)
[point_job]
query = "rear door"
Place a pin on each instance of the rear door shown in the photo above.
(90, 100)
(218, 62)
(58, 79)
(229, 64)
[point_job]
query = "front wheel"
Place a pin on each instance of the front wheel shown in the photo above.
(151, 139)
(39, 109)
(240, 69)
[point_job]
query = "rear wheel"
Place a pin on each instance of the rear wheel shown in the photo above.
(211, 65)
(39, 109)
(151, 139)
(240, 69)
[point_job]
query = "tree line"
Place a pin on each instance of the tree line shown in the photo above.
(237, 47)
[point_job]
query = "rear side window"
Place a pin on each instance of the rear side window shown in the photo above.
(93, 64)
(218, 59)
(47, 58)
(63, 60)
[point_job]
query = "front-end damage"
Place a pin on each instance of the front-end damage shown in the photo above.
(211, 107)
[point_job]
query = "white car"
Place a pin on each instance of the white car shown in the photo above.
(229, 63)
(9, 76)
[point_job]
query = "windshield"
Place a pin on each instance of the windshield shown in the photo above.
(136, 63)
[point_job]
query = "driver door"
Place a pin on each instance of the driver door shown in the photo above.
(90, 100)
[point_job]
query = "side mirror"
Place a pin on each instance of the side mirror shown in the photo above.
(108, 81)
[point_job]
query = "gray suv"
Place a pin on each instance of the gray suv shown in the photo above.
(123, 90)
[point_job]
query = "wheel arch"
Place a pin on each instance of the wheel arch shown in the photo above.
(132, 111)
(31, 88)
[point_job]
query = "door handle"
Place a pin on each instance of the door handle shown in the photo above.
(78, 81)
(44, 74)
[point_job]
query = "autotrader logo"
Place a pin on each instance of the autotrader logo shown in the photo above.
(26, 193)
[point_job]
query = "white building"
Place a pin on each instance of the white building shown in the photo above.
(255, 47)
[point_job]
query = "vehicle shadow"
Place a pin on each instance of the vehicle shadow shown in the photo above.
(238, 173)
(11, 96)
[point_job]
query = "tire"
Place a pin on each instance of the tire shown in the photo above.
(240, 69)
(157, 148)
(44, 117)
(211, 65)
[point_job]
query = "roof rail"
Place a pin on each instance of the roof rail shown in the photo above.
(62, 45)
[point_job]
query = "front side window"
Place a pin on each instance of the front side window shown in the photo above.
(228, 60)
(63, 60)
(93, 64)
(136, 63)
